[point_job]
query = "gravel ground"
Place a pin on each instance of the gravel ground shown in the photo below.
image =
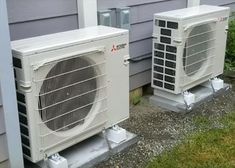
(160, 130)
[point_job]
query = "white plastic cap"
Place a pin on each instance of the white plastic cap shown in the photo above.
(217, 84)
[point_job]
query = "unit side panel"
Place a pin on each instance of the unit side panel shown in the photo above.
(25, 104)
(166, 54)
(118, 80)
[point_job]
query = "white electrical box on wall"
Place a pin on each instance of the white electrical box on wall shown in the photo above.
(123, 17)
(105, 17)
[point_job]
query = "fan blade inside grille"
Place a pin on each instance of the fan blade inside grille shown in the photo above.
(197, 49)
(67, 94)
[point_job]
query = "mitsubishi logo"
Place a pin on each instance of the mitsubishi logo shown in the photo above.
(114, 48)
(118, 47)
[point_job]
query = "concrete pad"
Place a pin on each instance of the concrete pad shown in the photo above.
(204, 93)
(92, 151)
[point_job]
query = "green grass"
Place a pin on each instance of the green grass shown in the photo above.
(211, 149)
(202, 122)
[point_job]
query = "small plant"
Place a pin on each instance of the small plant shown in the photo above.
(135, 96)
(230, 52)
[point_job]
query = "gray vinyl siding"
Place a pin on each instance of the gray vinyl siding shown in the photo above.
(3, 145)
(24, 10)
(4, 164)
(228, 3)
(3, 148)
(142, 12)
(34, 18)
(41, 27)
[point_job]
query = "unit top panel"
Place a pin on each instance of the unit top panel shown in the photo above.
(64, 39)
(187, 13)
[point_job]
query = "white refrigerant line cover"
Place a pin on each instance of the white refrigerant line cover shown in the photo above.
(70, 86)
(87, 13)
(192, 3)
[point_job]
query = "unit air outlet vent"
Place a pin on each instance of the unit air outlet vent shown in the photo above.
(198, 48)
(67, 94)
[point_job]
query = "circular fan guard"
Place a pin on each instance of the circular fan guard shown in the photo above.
(67, 94)
(196, 49)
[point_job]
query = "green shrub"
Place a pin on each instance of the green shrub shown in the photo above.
(230, 51)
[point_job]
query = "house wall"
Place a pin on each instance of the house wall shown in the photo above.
(3, 145)
(33, 18)
(140, 33)
(229, 3)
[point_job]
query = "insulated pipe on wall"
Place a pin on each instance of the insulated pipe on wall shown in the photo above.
(192, 3)
(87, 13)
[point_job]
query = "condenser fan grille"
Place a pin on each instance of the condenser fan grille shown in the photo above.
(197, 49)
(67, 94)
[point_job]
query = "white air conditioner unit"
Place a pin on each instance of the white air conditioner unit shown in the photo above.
(188, 48)
(70, 86)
